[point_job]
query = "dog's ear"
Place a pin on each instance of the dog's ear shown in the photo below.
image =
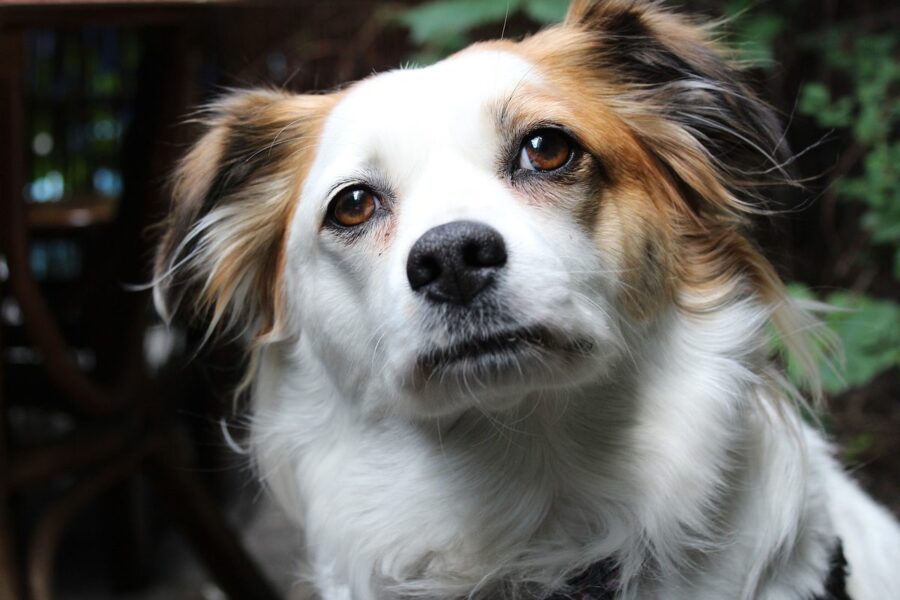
(220, 255)
(687, 101)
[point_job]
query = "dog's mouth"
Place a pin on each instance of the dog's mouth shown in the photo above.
(495, 350)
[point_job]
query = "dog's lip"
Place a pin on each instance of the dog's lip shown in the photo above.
(497, 343)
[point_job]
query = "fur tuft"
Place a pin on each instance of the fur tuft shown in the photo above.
(233, 197)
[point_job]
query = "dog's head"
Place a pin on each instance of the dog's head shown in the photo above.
(509, 220)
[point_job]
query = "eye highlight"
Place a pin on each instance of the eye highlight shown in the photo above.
(546, 149)
(353, 206)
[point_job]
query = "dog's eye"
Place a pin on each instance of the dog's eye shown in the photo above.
(353, 206)
(545, 150)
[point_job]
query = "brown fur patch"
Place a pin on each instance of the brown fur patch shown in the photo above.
(233, 196)
(685, 142)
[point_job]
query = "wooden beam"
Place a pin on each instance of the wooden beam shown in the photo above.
(10, 59)
(95, 3)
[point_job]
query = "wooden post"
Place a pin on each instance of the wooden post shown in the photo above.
(11, 117)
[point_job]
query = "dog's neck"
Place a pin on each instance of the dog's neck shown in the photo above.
(651, 467)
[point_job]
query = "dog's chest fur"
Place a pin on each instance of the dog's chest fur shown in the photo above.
(540, 494)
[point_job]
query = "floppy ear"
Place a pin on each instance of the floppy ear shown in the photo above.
(688, 103)
(221, 253)
(691, 108)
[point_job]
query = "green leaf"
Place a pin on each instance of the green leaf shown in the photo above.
(434, 22)
(755, 36)
(546, 11)
(816, 101)
(869, 330)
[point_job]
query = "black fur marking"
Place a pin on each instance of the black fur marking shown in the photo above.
(694, 87)
(836, 583)
(632, 49)
(243, 156)
(598, 582)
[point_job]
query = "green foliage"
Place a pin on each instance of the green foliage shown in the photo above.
(869, 331)
(441, 27)
(870, 110)
(752, 33)
(546, 11)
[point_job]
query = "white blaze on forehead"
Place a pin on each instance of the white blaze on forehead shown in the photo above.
(396, 121)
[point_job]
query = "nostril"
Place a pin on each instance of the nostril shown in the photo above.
(489, 252)
(423, 270)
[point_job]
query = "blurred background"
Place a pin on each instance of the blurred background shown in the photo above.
(120, 470)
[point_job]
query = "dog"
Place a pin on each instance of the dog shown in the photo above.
(507, 329)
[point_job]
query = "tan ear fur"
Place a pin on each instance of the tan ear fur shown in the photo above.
(233, 194)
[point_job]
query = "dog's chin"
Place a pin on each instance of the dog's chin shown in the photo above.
(493, 369)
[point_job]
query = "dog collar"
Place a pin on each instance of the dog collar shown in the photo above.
(598, 582)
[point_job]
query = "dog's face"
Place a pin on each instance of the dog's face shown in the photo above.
(506, 221)
(443, 249)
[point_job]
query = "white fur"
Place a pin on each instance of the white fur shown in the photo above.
(668, 447)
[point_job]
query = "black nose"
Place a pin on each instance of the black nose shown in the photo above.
(455, 261)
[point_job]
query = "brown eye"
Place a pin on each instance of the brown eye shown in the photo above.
(353, 206)
(545, 150)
